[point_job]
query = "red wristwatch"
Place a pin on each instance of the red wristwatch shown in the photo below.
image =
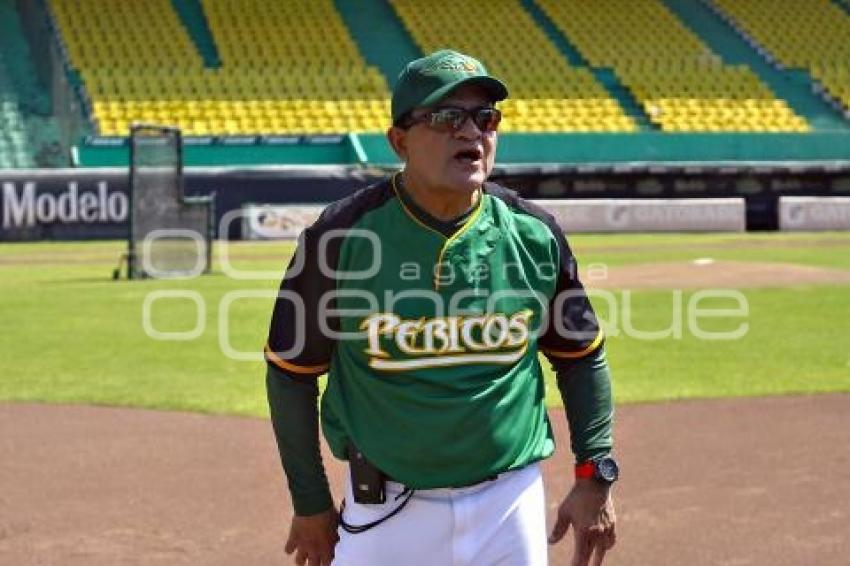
(604, 470)
(586, 470)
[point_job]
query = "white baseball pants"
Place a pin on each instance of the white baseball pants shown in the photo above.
(499, 522)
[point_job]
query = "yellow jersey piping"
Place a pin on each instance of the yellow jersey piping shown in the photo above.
(472, 218)
(288, 366)
(408, 211)
(455, 236)
(575, 355)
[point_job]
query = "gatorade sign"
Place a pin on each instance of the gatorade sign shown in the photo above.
(648, 215)
(814, 213)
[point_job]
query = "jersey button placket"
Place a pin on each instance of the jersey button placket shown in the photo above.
(443, 271)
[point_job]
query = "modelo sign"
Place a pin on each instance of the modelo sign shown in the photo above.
(47, 209)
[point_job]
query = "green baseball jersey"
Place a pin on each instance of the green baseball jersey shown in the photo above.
(431, 342)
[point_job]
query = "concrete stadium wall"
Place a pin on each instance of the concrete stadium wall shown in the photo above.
(82, 204)
(261, 222)
(74, 204)
(814, 213)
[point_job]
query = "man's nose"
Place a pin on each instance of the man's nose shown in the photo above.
(468, 130)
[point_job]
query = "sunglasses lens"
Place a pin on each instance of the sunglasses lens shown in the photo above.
(453, 119)
(487, 119)
(448, 119)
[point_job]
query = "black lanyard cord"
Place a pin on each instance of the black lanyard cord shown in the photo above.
(354, 529)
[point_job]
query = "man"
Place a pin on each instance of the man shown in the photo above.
(426, 298)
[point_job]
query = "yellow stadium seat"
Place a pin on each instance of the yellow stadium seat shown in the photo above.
(679, 82)
(513, 48)
(137, 50)
(812, 35)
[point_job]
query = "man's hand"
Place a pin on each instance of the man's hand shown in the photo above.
(313, 538)
(588, 507)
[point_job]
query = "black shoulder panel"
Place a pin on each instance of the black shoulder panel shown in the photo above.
(345, 212)
(513, 200)
(296, 343)
(573, 330)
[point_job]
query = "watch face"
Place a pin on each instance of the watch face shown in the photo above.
(607, 469)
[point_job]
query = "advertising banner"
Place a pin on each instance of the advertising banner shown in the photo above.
(272, 222)
(73, 204)
(814, 213)
(82, 204)
(648, 215)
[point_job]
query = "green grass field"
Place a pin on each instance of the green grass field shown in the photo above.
(70, 334)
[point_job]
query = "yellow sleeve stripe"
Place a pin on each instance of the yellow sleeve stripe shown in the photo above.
(284, 365)
(574, 355)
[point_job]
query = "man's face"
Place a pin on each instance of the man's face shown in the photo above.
(458, 161)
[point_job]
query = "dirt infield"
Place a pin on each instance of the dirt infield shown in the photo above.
(733, 482)
(710, 274)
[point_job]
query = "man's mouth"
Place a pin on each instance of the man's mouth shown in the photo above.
(469, 155)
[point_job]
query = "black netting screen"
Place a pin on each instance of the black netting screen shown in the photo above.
(170, 235)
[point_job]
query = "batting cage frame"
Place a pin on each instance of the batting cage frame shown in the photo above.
(169, 234)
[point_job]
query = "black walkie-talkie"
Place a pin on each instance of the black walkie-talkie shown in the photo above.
(367, 481)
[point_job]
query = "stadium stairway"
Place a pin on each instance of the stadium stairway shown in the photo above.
(29, 134)
(13, 146)
(793, 86)
(192, 15)
(13, 45)
(613, 85)
(555, 36)
(380, 35)
(843, 4)
(606, 77)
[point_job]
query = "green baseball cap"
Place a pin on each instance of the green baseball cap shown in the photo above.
(425, 81)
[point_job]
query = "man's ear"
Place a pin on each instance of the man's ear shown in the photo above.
(396, 136)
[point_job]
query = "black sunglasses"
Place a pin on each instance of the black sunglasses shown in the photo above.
(452, 119)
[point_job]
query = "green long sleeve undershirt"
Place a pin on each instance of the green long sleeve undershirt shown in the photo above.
(585, 387)
(295, 419)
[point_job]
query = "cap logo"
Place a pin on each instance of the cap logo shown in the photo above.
(457, 64)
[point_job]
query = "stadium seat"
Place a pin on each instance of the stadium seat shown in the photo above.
(28, 135)
(293, 68)
(812, 35)
(547, 94)
(680, 83)
(138, 63)
(16, 149)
